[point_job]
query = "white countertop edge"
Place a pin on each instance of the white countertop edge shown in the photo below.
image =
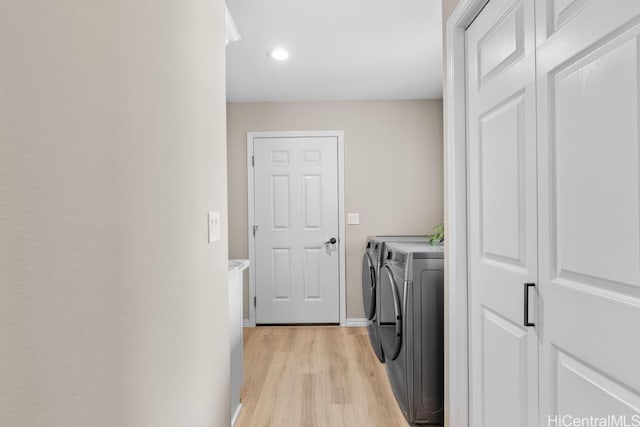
(238, 264)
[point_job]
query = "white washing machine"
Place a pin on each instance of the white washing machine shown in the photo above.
(411, 328)
(371, 263)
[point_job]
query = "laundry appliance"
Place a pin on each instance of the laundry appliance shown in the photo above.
(371, 263)
(411, 327)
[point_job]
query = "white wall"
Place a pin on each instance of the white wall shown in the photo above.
(401, 138)
(112, 149)
(451, 373)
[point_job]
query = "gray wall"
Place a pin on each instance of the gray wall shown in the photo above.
(112, 150)
(403, 138)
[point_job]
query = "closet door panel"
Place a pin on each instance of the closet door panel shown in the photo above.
(502, 214)
(589, 207)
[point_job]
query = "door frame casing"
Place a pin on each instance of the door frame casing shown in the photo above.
(456, 286)
(339, 135)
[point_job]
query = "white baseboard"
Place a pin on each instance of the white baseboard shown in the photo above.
(356, 322)
(235, 415)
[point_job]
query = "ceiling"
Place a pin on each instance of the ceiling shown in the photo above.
(339, 50)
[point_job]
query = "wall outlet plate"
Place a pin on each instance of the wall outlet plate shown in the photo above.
(214, 226)
(353, 218)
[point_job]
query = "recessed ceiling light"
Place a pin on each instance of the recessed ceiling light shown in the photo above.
(279, 54)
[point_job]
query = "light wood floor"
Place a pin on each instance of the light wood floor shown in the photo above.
(314, 376)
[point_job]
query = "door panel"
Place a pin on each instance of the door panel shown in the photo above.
(312, 202)
(502, 214)
(296, 211)
(280, 190)
(501, 45)
(581, 386)
(589, 207)
(312, 274)
(281, 274)
(584, 93)
(502, 336)
(501, 169)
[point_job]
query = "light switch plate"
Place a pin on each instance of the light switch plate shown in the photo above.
(353, 218)
(214, 226)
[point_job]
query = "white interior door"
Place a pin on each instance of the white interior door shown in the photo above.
(501, 142)
(296, 215)
(588, 91)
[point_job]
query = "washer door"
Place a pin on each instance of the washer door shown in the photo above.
(368, 286)
(390, 325)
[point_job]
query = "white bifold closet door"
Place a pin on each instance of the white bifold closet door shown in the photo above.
(589, 223)
(501, 132)
(554, 199)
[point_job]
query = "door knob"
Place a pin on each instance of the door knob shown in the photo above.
(331, 241)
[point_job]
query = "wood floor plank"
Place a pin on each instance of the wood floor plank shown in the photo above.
(314, 376)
